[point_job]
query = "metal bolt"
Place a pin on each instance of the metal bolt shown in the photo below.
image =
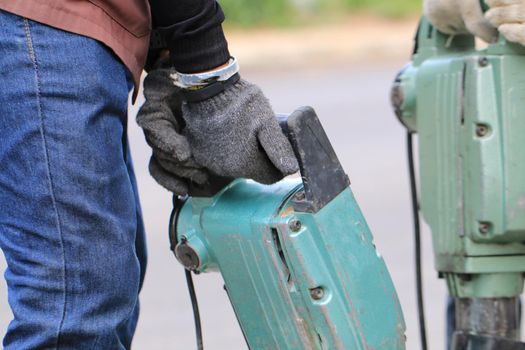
(295, 225)
(484, 228)
(483, 61)
(317, 293)
(482, 130)
(300, 196)
(187, 256)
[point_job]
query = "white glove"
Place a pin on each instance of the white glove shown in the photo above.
(509, 17)
(460, 17)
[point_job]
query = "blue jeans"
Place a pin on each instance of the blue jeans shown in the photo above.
(450, 321)
(70, 222)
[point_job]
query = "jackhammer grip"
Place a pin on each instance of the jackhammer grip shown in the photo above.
(322, 174)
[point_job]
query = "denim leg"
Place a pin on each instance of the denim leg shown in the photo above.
(70, 222)
(450, 320)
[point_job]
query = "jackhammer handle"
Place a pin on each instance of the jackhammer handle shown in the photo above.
(322, 174)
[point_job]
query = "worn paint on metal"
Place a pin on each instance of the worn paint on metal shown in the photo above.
(467, 107)
(271, 269)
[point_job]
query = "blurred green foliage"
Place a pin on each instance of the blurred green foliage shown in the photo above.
(394, 8)
(257, 12)
(292, 12)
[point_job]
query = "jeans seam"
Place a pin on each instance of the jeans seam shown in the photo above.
(34, 61)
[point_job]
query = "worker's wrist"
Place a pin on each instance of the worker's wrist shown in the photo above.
(210, 91)
(197, 81)
(199, 87)
(199, 52)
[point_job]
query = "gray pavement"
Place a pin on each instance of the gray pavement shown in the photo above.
(353, 105)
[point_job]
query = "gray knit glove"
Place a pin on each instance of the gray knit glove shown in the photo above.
(171, 164)
(235, 134)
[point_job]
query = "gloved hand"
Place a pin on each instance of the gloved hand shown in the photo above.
(460, 17)
(509, 17)
(171, 164)
(235, 134)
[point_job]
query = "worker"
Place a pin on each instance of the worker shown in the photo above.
(71, 225)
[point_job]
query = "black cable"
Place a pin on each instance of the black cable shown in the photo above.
(172, 229)
(178, 203)
(417, 238)
(195, 306)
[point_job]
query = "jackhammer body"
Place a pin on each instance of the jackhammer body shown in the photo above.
(297, 257)
(468, 108)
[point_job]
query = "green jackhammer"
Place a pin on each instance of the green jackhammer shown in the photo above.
(468, 108)
(297, 257)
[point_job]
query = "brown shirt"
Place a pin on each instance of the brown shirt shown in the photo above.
(123, 25)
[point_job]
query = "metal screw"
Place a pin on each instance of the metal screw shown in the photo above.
(295, 225)
(483, 61)
(300, 196)
(187, 256)
(482, 130)
(484, 228)
(317, 293)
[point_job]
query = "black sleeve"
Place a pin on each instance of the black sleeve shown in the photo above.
(193, 33)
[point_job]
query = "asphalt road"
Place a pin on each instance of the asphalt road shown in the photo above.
(353, 105)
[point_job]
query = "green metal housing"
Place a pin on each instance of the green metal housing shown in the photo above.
(468, 107)
(295, 280)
